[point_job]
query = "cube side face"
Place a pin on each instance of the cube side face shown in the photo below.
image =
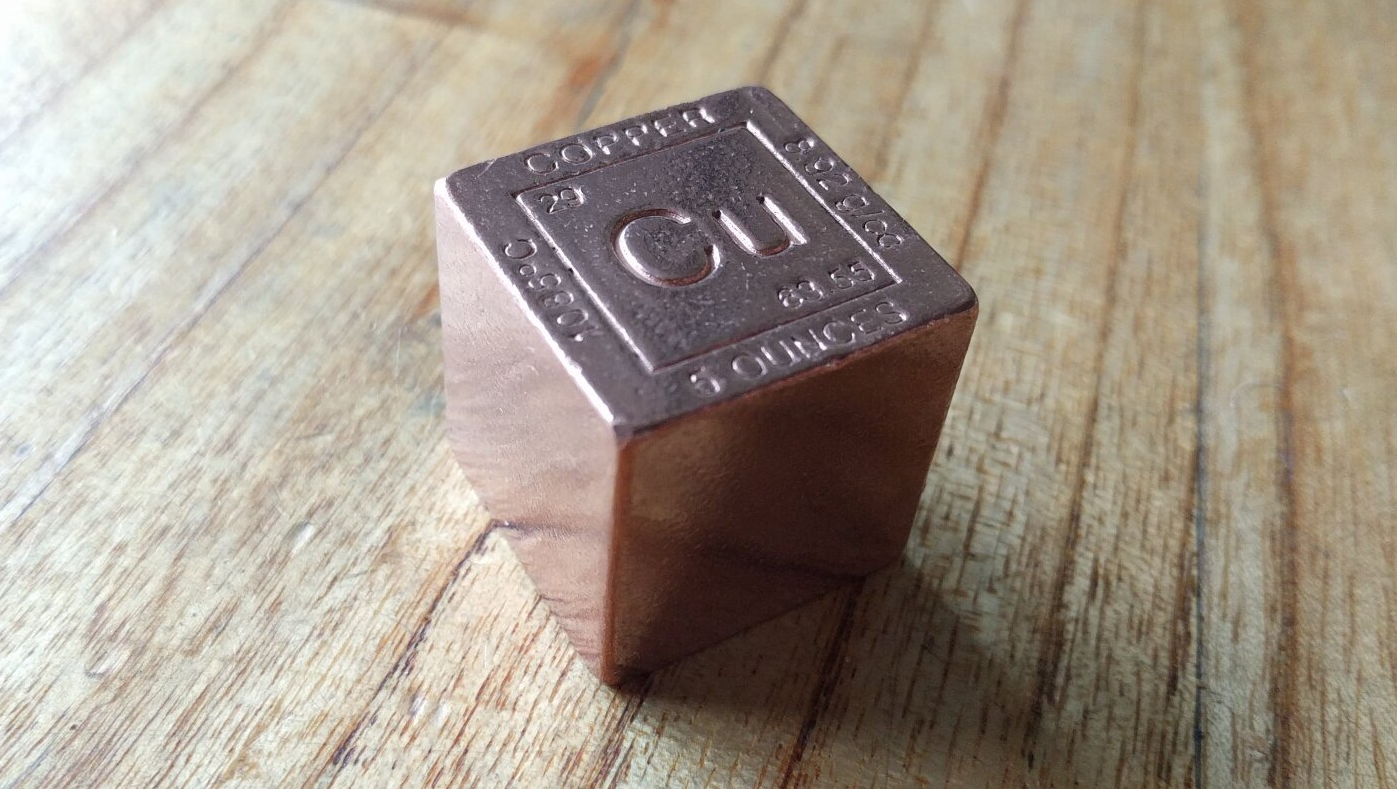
(740, 512)
(541, 456)
(687, 247)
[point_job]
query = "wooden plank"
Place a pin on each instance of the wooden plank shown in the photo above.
(1242, 488)
(1122, 710)
(94, 310)
(160, 519)
(48, 45)
(1320, 112)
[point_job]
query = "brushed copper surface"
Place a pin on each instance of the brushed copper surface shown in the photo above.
(695, 365)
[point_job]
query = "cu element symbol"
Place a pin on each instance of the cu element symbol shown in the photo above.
(673, 247)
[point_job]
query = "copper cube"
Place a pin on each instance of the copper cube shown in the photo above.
(696, 368)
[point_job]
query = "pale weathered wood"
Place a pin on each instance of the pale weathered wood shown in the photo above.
(1242, 492)
(1320, 109)
(47, 46)
(1155, 549)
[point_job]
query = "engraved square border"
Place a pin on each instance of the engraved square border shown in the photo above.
(769, 147)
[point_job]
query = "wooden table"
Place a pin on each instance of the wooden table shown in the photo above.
(1157, 546)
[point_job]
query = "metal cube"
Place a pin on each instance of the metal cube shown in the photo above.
(695, 366)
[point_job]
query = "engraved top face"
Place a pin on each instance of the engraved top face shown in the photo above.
(694, 253)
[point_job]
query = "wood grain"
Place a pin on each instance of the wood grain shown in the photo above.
(1155, 549)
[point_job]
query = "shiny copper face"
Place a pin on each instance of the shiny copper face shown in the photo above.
(695, 365)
